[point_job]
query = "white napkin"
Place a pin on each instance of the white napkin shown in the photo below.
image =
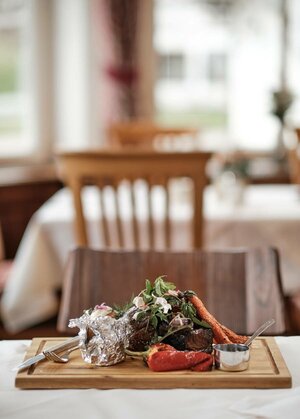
(283, 404)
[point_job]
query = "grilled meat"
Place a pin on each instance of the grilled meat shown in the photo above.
(200, 340)
(142, 334)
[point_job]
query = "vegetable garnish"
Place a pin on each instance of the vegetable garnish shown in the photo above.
(158, 300)
(169, 328)
(164, 357)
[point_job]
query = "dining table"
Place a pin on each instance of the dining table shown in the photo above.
(266, 215)
(147, 403)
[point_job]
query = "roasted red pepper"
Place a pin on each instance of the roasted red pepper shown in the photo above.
(162, 357)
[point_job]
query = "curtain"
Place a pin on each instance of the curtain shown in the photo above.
(122, 70)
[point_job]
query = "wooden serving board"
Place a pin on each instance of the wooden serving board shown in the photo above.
(267, 369)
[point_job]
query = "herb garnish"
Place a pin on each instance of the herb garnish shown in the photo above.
(161, 303)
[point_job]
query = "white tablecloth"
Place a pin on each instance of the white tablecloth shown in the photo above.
(147, 404)
(269, 215)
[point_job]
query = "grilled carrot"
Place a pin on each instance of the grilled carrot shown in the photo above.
(234, 337)
(221, 333)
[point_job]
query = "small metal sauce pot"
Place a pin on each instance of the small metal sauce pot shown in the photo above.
(231, 356)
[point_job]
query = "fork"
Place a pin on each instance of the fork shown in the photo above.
(62, 359)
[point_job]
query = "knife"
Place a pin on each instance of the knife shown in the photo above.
(61, 347)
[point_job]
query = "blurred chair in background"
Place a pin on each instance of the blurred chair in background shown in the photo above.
(293, 300)
(148, 134)
(5, 264)
(293, 153)
(135, 217)
(293, 312)
(241, 288)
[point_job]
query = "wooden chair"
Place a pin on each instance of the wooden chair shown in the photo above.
(241, 288)
(147, 134)
(5, 264)
(293, 153)
(293, 300)
(111, 169)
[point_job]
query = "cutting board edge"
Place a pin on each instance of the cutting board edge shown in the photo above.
(281, 380)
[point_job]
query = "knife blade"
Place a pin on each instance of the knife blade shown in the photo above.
(61, 347)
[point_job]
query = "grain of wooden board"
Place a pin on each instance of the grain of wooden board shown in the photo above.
(267, 369)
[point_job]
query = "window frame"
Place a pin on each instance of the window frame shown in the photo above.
(40, 86)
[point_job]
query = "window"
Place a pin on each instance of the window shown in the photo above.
(48, 73)
(185, 92)
(15, 69)
(233, 63)
(171, 66)
(216, 68)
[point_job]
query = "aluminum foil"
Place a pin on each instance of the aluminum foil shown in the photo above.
(103, 338)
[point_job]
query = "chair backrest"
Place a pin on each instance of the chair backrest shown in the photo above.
(5, 265)
(294, 158)
(2, 253)
(148, 134)
(241, 288)
(139, 173)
